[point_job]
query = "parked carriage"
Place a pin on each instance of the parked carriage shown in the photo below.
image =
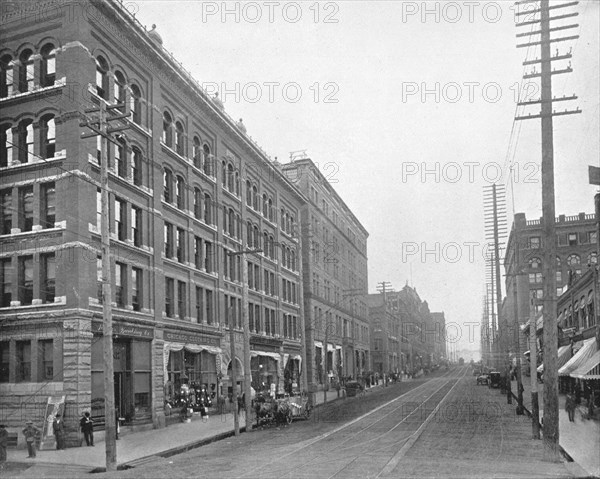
(281, 411)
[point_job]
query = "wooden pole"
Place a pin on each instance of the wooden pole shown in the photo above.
(234, 394)
(535, 408)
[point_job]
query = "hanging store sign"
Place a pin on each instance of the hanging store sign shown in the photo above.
(125, 330)
(194, 338)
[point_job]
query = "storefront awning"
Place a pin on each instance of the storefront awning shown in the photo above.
(590, 369)
(275, 356)
(564, 354)
(319, 344)
(586, 352)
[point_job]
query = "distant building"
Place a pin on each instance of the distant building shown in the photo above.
(385, 323)
(334, 268)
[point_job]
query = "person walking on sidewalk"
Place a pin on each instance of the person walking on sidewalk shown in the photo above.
(3, 445)
(570, 407)
(31, 433)
(87, 428)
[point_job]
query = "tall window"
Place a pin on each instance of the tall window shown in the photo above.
(181, 286)
(208, 256)
(169, 293)
(198, 252)
(5, 282)
(23, 349)
(102, 78)
(197, 152)
(6, 211)
(25, 280)
(26, 208)
(120, 219)
(180, 245)
(168, 239)
(26, 71)
(136, 225)
(47, 278)
(7, 68)
(6, 145)
(167, 133)
(179, 139)
(121, 159)
(25, 141)
(47, 136)
(168, 186)
(199, 304)
(207, 209)
(136, 289)
(180, 193)
(120, 89)
(136, 167)
(120, 284)
(197, 203)
(209, 307)
(135, 105)
(207, 167)
(45, 350)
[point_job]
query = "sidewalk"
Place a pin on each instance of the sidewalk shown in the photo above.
(580, 439)
(130, 448)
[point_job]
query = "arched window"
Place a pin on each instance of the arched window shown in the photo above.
(6, 145)
(535, 263)
(180, 193)
(573, 260)
(135, 105)
(207, 209)
(102, 77)
(592, 258)
(223, 174)
(230, 178)
(47, 136)
(238, 226)
(136, 167)
(197, 152)
(121, 158)
(231, 222)
(48, 65)
(256, 236)
(7, 69)
(271, 247)
(293, 260)
(25, 132)
(265, 243)
(179, 141)
(255, 198)
(237, 184)
(270, 208)
(167, 133)
(197, 203)
(208, 170)
(249, 237)
(168, 186)
(119, 90)
(265, 205)
(26, 71)
(248, 193)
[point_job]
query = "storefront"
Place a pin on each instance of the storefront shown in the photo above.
(132, 348)
(292, 373)
(265, 367)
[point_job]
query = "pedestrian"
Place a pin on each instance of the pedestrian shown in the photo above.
(570, 407)
(58, 427)
(31, 433)
(87, 428)
(3, 444)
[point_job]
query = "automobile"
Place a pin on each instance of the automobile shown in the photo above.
(353, 387)
(494, 379)
(477, 372)
(482, 379)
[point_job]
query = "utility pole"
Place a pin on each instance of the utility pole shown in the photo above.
(234, 394)
(535, 407)
(99, 126)
(515, 274)
(551, 430)
(246, 329)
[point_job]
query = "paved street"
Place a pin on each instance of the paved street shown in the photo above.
(443, 426)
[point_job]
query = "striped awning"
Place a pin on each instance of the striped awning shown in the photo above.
(590, 369)
(586, 352)
(564, 354)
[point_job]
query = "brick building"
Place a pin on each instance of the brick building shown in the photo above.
(187, 185)
(386, 332)
(576, 247)
(334, 255)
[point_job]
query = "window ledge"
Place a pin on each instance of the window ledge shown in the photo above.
(37, 90)
(36, 303)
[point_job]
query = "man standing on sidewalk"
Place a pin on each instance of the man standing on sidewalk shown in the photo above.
(570, 407)
(87, 428)
(31, 433)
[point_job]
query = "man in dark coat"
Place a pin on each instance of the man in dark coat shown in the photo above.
(3, 444)
(58, 427)
(31, 433)
(87, 428)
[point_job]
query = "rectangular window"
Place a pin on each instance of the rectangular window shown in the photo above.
(136, 225)
(209, 307)
(121, 160)
(535, 277)
(48, 205)
(169, 293)
(199, 304)
(120, 284)
(26, 208)
(534, 242)
(120, 219)
(197, 252)
(180, 245)
(168, 239)
(136, 289)
(5, 212)
(572, 239)
(136, 167)
(593, 237)
(47, 277)
(208, 257)
(45, 350)
(23, 350)
(4, 361)
(25, 280)
(181, 299)
(5, 282)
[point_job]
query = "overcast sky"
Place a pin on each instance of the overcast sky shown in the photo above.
(345, 81)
